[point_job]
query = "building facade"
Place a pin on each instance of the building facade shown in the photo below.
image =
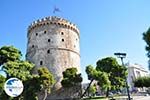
(54, 42)
(135, 71)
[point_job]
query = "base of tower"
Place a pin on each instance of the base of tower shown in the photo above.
(73, 93)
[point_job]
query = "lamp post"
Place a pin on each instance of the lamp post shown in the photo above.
(121, 56)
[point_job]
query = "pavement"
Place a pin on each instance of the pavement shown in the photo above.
(133, 98)
(141, 97)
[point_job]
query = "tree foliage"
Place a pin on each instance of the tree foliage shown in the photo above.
(19, 69)
(108, 73)
(9, 53)
(142, 82)
(10, 60)
(116, 72)
(146, 38)
(2, 81)
(92, 90)
(46, 78)
(99, 76)
(71, 78)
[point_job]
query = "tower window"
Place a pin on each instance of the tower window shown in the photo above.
(62, 40)
(32, 46)
(36, 34)
(48, 51)
(41, 62)
(49, 40)
(44, 32)
(62, 33)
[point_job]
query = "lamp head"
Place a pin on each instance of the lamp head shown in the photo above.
(120, 55)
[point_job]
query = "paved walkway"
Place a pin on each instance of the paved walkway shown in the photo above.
(141, 98)
(134, 98)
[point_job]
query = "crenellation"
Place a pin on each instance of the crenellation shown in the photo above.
(53, 20)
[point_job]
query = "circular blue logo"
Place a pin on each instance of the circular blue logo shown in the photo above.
(13, 87)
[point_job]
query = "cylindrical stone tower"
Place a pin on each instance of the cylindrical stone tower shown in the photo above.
(54, 42)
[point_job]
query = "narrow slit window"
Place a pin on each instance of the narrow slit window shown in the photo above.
(36, 34)
(32, 46)
(41, 62)
(48, 51)
(49, 40)
(44, 32)
(62, 40)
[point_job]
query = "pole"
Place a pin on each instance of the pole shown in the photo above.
(126, 80)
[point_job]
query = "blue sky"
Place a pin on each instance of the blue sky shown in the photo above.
(106, 26)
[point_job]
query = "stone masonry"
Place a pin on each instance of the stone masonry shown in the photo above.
(54, 42)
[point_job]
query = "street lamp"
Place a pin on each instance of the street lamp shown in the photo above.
(121, 56)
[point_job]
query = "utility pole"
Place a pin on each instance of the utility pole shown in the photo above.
(121, 56)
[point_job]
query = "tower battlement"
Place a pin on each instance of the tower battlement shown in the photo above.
(53, 20)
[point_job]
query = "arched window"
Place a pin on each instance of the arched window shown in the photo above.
(49, 40)
(44, 32)
(32, 46)
(48, 51)
(41, 62)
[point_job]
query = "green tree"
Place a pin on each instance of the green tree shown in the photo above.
(142, 82)
(2, 81)
(146, 38)
(9, 53)
(31, 88)
(116, 73)
(46, 80)
(10, 60)
(71, 78)
(99, 76)
(19, 69)
(92, 90)
(37, 83)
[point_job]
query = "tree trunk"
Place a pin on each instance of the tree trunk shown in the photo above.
(45, 94)
(107, 92)
(87, 88)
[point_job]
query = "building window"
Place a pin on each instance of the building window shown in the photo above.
(49, 40)
(74, 46)
(36, 34)
(48, 51)
(44, 32)
(41, 62)
(62, 33)
(32, 46)
(138, 74)
(62, 40)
